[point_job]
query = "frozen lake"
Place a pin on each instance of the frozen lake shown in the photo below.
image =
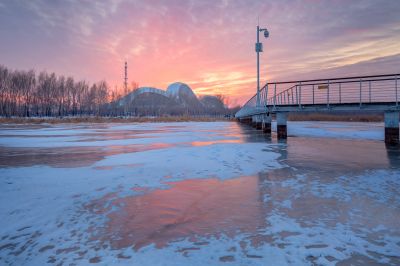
(198, 194)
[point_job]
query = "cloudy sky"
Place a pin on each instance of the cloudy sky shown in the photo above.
(208, 44)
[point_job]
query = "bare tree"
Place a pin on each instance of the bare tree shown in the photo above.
(60, 94)
(23, 93)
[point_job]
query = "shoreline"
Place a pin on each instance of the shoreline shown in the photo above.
(91, 119)
(166, 119)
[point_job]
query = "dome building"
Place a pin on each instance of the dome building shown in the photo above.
(183, 94)
(180, 90)
(178, 99)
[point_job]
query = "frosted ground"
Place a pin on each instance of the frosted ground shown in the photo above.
(198, 194)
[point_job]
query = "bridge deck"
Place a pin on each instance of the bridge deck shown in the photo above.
(344, 107)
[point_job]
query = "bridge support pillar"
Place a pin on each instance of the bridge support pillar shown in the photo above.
(254, 121)
(392, 127)
(259, 122)
(281, 125)
(266, 124)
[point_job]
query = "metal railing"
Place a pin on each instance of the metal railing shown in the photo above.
(359, 91)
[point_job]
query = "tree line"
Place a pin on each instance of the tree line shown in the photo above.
(25, 93)
(28, 94)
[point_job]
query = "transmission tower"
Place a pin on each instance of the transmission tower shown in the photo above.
(126, 78)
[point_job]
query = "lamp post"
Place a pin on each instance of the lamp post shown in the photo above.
(259, 49)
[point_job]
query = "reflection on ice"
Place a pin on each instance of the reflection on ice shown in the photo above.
(276, 209)
(331, 156)
(68, 156)
(188, 209)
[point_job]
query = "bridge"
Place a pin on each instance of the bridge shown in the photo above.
(379, 93)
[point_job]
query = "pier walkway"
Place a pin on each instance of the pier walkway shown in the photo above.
(378, 93)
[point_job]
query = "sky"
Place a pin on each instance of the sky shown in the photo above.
(208, 44)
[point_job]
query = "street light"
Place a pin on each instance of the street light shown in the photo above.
(259, 48)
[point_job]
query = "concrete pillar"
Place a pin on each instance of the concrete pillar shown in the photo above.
(253, 121)
(249, 121)
(259, 122)
(266, 124)
(281, 125)
(392, 127)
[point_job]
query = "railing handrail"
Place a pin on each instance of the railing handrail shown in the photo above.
(285, 95)
(329, 82)
(332, 79)
(356, 78)
(325, 81)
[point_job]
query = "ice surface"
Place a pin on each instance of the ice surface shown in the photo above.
(314, 209)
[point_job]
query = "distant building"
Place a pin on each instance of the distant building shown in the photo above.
(178, 99)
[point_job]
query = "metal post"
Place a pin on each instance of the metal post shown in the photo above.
(258, 67)
(284, 97)
(369, 89)
(274, 95)
(340, 92)
(262, 98)
(397, 101)
(313, 94)
(259, 49)
(327, 100)
(300, 95)
(360, 92)
(297, 96)
(292, 96)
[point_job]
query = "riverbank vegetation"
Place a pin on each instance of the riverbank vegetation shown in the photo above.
(28, 94)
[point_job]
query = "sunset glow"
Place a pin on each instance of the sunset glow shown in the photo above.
(207, 44)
